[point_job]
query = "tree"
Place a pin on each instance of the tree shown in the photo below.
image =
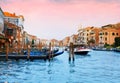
(106, 45)
(117, 41)
(91, 42)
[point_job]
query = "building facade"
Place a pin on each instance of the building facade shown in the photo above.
(14, 26)
(65, 41)
(107, 35)
(2, 35)
(1, 22)
(88, 36)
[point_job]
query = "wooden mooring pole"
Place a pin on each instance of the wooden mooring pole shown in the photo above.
(71, 52)
(49, 51)
(7, 50)
(28, 56)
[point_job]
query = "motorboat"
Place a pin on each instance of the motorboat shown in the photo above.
(81, 51)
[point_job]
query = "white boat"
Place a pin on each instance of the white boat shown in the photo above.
(81, 50)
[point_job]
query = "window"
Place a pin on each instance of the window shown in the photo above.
(113, 33)
(87, 39)
(106, 33)
(117, 34)
(106, 39)
(100, 33)
(103, 33)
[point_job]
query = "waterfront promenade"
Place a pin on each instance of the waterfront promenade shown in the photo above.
(96, 67)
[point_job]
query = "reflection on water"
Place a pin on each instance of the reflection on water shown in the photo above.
(96, 67)
(82, 56)
(72, 65)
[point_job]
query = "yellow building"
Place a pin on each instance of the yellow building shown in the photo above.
(107, 35)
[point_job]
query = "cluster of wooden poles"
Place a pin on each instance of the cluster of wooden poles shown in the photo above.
(71, 52)
(29, 49)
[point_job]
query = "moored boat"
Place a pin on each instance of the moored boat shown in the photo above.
(31, 57)
(117, 50)
(81, 51)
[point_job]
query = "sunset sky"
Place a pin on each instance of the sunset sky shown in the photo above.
(60, 18)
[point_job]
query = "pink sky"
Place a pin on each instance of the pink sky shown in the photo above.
(60, 18)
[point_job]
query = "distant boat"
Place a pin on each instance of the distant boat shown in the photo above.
(117, 50)
(81, 51)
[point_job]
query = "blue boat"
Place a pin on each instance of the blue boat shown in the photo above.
(32, 56)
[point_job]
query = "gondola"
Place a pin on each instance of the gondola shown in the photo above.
(32, 57)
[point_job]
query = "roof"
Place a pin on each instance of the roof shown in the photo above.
(7, 14)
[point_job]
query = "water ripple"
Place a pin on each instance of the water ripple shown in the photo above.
(97, 67)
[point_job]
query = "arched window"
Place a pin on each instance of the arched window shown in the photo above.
(106, 39)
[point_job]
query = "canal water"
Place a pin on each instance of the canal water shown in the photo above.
(96, 67)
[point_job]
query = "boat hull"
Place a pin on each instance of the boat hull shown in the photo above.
(81, 53)
(31, 57)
